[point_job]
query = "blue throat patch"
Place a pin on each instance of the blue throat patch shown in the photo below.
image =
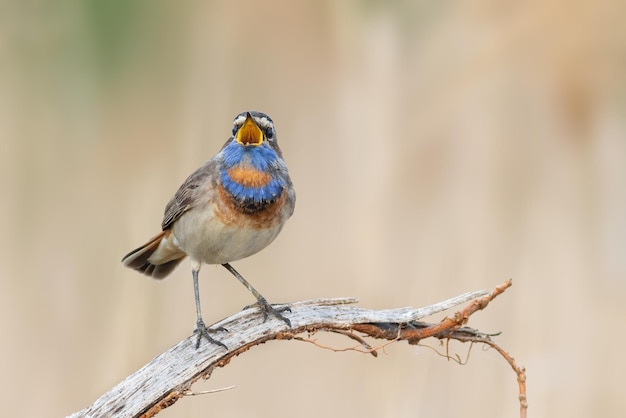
(258, 157)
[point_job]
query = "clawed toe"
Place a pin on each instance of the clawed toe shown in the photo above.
(202, 331)
(268, 309)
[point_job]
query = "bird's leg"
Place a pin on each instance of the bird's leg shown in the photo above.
(201, 329)
(266, 308)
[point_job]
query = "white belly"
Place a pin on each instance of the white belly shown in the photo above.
(205, 238)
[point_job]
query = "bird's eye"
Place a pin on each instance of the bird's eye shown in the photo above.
(235, 129)
(270, 133)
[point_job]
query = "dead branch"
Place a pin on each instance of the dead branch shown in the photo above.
(168, 377)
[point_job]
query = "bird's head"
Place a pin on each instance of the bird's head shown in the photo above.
(252, 129)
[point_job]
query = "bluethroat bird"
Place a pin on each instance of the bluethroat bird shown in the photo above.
(228, 209)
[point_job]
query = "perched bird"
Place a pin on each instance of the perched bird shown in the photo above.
(228, 209)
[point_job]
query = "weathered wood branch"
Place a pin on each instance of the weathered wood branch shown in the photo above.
(169, 376)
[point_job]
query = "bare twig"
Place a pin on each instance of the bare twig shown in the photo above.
(168, 377)
(206, 392)
(519, 371)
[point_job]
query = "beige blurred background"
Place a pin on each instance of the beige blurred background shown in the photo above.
(436, 148)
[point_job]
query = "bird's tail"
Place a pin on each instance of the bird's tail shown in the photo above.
(157, 258)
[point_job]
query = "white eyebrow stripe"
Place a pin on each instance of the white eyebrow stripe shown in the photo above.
(239, 120)
(264, 122)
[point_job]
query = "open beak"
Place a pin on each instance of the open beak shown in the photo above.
(249, 133)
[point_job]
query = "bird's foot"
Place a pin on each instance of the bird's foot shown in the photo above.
(202, 331)
(267, 309)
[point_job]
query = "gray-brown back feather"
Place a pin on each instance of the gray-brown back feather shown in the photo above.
(191, 193)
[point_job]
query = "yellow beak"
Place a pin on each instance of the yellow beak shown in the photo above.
(249, 133)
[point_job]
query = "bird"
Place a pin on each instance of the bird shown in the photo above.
(230, 208)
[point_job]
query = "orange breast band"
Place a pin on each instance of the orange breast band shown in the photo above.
(249, 177)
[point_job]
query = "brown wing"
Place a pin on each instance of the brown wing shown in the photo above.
(191, 193)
